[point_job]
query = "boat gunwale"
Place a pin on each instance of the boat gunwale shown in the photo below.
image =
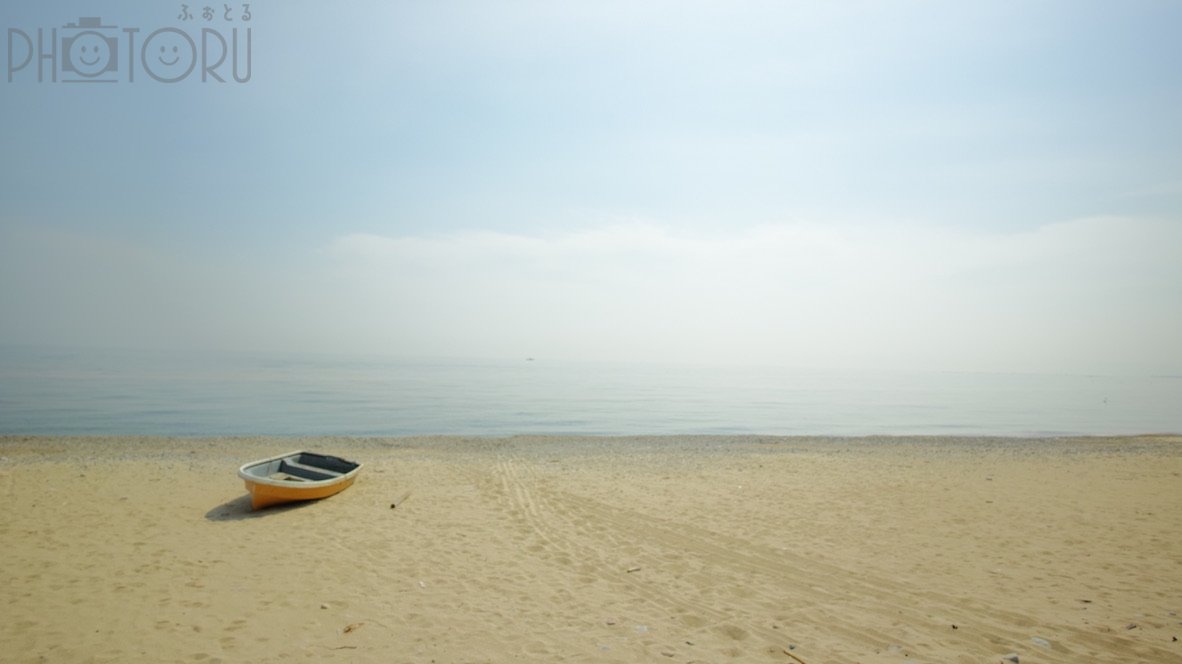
(307, 484)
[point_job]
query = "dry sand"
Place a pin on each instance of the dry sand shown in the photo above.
(597, 550)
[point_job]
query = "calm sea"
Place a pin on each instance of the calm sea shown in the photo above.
(148, 393)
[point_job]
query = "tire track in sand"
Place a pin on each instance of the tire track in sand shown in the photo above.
(563, 529)
(826, 593)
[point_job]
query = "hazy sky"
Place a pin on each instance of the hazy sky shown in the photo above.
(959, 185)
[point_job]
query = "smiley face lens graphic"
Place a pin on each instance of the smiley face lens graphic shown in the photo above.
(169, 55)
(90, 54)
(169, 59)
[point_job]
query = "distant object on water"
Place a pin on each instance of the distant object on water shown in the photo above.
(296, 476)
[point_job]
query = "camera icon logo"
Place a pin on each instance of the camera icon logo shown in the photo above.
(90, 49)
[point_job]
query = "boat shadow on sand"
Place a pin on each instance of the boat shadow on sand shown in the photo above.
(239, 509)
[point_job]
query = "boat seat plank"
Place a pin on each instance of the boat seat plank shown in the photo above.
(295, 465)
(287, 477)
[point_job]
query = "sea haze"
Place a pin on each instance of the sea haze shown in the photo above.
(90, 392)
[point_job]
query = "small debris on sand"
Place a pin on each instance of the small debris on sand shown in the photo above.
(399, 500)
(785, 651)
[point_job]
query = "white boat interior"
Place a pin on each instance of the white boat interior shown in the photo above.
(301, 467)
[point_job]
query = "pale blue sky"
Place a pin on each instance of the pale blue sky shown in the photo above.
(948, 185)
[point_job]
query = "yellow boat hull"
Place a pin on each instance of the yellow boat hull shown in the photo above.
(266, 495)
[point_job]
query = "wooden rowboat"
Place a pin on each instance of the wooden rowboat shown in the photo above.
(296, 476)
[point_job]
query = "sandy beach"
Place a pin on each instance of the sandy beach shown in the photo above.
(699, 549)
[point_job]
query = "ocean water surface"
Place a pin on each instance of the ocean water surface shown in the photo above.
(89, 392)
